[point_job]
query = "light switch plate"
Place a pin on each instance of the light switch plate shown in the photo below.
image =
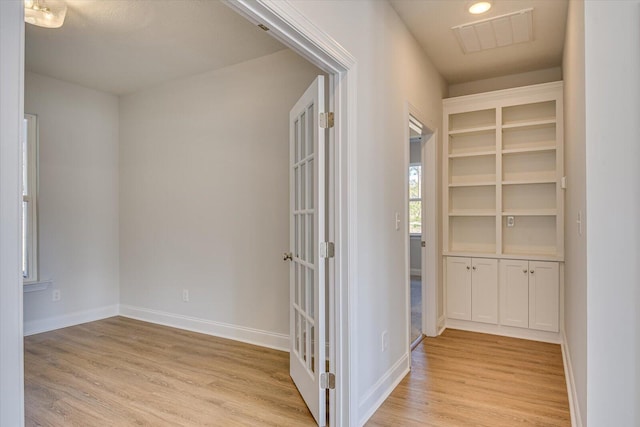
(511, 221)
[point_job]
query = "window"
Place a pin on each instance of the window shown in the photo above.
(415, 199)
(29, 199)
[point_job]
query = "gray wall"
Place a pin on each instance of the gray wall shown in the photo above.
(612, 108)
(78, 202)
(204, 195)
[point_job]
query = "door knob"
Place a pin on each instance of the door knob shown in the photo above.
(531, 271)
(288, 256)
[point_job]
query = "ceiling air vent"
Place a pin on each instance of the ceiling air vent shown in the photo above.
(500, 31)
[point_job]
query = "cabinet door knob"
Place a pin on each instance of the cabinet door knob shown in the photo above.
(525, 271)
(531, 271)
(474, 267)
(468, 268)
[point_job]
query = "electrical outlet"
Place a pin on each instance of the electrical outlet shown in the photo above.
(55, 296)
(397, 222)
(385, 341)
(185, 295)
(511, 221)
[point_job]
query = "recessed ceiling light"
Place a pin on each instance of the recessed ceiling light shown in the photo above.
(479, 7)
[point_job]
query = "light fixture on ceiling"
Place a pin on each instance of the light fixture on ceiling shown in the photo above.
(45, 13)
(479, 7)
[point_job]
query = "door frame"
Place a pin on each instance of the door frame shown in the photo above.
(429, 253)
(11, 132)
(293, 29)
(285, 22)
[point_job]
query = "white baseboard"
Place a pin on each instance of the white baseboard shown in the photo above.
(49, 324)
(224, 330)
(574, 406)
(379, 392)
(441, 324)
(415, 272)
(506, 331)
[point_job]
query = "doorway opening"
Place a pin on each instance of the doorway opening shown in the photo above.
(422, 231)
(305, 39)
(416, 237)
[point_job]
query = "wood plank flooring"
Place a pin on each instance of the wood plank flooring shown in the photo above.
(469, 379)
(122, 372)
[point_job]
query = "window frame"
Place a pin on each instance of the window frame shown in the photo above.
(30, 273)
(415, 199)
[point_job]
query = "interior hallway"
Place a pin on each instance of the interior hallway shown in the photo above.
(465, 378)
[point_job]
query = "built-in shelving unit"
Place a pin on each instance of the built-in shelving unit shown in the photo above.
(503, 169)
(503, 211)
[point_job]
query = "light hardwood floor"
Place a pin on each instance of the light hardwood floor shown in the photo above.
(469, 379)
(122, 372)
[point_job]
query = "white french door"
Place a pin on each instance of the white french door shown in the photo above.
(307, 231)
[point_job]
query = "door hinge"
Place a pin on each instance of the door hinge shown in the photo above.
(327, 250)
(327, 381)
(326, 120)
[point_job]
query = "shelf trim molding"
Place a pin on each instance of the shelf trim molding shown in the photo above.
(475, 129)
(472, 154)
(528, 123)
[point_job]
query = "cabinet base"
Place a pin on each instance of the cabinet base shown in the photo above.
(507, 331)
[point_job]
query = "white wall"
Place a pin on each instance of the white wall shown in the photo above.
(612, 99)
(575, 273)
(545, 75)
(77, 205)
(392, 69)
(204, 198)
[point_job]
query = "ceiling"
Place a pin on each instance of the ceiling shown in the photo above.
(121, 46)
(430, 22)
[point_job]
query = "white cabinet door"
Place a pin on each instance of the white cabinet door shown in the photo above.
(544, 294)
(514, 293)
(484, 290)
(459, 288)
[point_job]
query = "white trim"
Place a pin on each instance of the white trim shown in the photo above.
(381, 390)
(31, 139)
(11, 127)
(430, 223)
(290, 26)
(430, 253)
(441, 324)
(36, 286)
(468, 102)
(72, 319)
(505, 331)
(209, 327)
(574, 405)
